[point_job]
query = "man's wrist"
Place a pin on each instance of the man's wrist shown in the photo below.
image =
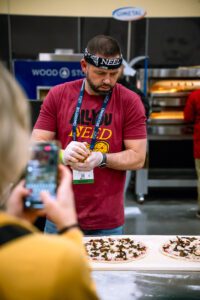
(103, 162)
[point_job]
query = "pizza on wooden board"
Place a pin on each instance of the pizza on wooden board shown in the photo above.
(115, 250)
(181, 247)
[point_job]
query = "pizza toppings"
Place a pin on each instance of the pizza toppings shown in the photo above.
(183, 247)
(109, 249)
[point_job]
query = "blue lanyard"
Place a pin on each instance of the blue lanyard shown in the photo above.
(77, 111)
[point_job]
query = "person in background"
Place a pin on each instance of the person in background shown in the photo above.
(102, 129)
(192, 115)
(33, 265)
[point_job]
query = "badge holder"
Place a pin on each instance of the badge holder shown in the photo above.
(80, 177)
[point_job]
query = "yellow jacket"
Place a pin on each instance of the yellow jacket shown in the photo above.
(38, 266)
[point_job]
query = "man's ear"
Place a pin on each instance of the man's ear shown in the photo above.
(83, 65)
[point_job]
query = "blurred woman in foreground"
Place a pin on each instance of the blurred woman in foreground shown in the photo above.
(33, 265)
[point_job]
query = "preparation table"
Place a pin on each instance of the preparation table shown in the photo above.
(154, 260)
(155, 276)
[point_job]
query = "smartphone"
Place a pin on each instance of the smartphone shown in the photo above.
(41, 173)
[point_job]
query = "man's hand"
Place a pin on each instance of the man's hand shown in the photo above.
(75, 152)
(90, 163)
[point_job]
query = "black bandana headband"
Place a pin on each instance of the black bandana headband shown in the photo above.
(104, 63)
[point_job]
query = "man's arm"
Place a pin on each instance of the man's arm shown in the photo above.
(39, 135)
(132, 158)
(74, 152)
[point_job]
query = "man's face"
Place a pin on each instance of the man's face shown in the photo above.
(100, 81)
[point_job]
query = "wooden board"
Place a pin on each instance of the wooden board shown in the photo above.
(154, 260)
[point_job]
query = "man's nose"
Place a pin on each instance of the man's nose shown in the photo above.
(107, 80)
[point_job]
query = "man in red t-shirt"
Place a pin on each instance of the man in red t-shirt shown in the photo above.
(101, 126)
(192, 115)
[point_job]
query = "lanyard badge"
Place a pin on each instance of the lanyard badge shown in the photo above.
(80, 176)
(83, 177)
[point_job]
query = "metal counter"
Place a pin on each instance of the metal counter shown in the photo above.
(142, 285)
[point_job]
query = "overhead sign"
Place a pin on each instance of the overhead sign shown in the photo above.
(31, 74)
(128, 13)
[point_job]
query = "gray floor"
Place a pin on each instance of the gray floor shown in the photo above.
(164, 212)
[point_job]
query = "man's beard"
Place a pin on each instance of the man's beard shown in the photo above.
(95, 88)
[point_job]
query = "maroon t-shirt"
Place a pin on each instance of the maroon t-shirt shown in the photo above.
(99, 205)
(192, 114)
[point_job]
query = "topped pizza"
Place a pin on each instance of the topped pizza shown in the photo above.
(187, 248)
(113, 250)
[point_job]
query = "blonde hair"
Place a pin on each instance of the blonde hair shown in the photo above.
(15, 131)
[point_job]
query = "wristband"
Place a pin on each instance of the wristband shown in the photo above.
(61, 156)
(103, 163)
(65, 229)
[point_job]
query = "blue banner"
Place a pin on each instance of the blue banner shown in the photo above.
(33, 74)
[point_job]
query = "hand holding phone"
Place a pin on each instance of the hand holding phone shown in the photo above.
(62, 211)
(15, 204)
(41, 173)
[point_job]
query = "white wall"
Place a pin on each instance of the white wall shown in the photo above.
(100, 8)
